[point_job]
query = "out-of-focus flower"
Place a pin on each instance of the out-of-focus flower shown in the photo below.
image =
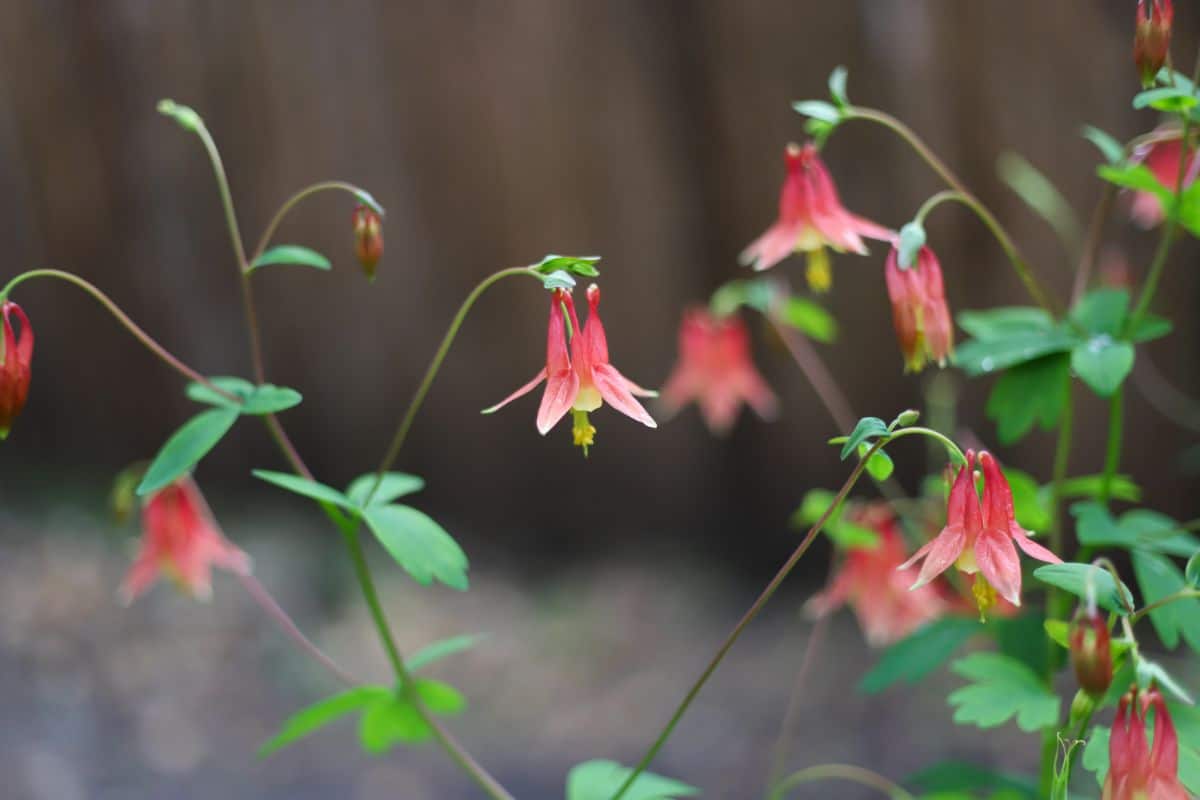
(368, 238)
(581, 380)
(16, 357)
(919, 311)
(181, 540)
(868, 581)
(979, 537)
(1161, 155)
(811, 218)
(1152, 37)
(1137, 771)
(716, 370)
(1091, 652)
(1114, 269)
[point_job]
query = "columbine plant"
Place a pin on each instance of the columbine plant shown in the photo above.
(1130, 718)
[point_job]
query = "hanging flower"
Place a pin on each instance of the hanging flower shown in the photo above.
(1091, 651)
(583, 379)
(1152, 37)
(919, 311)
(368, 238)
(16, 357)
(1161, 155)
(1137, 771)
(811, 218)
(715, 369)
(180, 539)
(869, 582)
(979, 537)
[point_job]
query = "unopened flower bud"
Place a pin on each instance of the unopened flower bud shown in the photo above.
(1091, 654)
(16, 355)
(1152, 37)
(368, 239)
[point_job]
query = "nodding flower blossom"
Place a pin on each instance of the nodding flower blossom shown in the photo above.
(979, 537)
(868, 581)
(1137, 771)
(1162, 155)
(811, 218)
(16, 356)
(919, 310)
(1152, 37)
(582, 379)
(716, 370)
(181, 540)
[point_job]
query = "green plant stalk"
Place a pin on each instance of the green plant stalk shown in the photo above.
(844, 772)
(749, 616)
(291, 202)
(1020, 265)
(1112, 453)
(1182, 594)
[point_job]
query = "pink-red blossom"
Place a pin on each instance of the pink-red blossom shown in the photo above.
(16, 357)
(1137, 771)
(716, 370)
(1162, 155)
(919, 311)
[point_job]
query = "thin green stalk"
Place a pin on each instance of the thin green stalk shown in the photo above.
(1091, 245)
(844, 772)
(1182, 594)
(1112, 454)
(291, 202)
(749, 616)
(1049, 754)
(1020, 265)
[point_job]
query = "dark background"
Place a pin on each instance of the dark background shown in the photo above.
(648, 132)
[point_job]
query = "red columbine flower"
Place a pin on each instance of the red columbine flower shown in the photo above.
(919, 309)
(1135, 770)
(15, 358)
(180, 539)
(811, 217)
(1152, 37)
(879, 595)
(368, 238)
(1161, 155)
(715, 369)
(583, 379)
(979, 537)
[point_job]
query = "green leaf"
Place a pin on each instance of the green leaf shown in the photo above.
(251, 399)
(419, 545)
(391, 720)
(879, 465)
(1002, 688)
(961, 776)
(1167, 98)
(393, 486)
(1150, 673)
(186, 447)
(1192, 573)
(1032, 512)
(306, 488)
(558, 280)
(364, 197)
(446, 647)
(998, 323)
(1095, 526)
(1022, 637)
(1158, 578)
(912, 239)
(320, 714)
(837, 86)
(1076, 578)
(1112, 150)
(1102, 363)
(867, 428)
(843, 534)
(983, 356)
(1031, 393)
(238, 387)
(1149, 328)
(818, 110)
(440, 697)
(1059, 631)
(600, 780)
(1158, 532)
(920, 653)
(584, 266)
(809, 318)
(292, 254)
(1041, 195)
(1102, 311)
(269, 399)
(1139, 177)
(1122, 487)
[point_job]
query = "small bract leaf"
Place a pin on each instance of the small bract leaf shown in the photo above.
(186, 447)
(306, 488)
(867, 428)
(558, 280)
(1139, 177)
(251, 399)
(912, 239)
(1102, 363)
(1076, 578)
(366, 199)
(920, 653)
(320, 714)
(1167, 98)
(392, 486)
(809, 318)
(584, 266)
(292, 254)
(879, 465)
(1002, 688)
(1112, 150)
(446, 647)
(419, 545)
(441, 698)
(270, 399)
(600, 780)
(837, 86)
(391, 720)
(818, 110)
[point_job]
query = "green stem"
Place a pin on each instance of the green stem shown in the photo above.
(956, 454)
(844, 772)
(1091, 245)
(120, 316)
(414, 405)
(944, 196)
(1020, 265)
(1182, 594)
(307, 191)
(1112, 454)
(1049, 754)
(749, 616)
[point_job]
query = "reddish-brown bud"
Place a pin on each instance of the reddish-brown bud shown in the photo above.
(1091, 655)
(1152, 37)
(368, 239)
(16, 355)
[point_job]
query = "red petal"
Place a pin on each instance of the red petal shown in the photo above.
(943, 551)
(613, 388)
(524, 390)
(561, 389)
(999, 563)
(1032, 548)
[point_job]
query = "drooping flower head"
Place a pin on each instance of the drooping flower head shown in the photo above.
(181, 540)
(1137, 771)
(582, 379)
(979, 537)
(811, 218)
(1091, 651)
(716, 370)
(868, 581)
(368, 238)
(919, 311)
(1161, 155)
(1152, 37)
(16, 357)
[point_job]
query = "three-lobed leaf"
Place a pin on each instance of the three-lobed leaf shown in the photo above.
(1028, 394)
(600, 779)
(1001, 689)
(186, 447)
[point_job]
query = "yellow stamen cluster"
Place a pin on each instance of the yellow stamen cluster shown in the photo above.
(818, 271)
(985, 596)
(583, 431)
